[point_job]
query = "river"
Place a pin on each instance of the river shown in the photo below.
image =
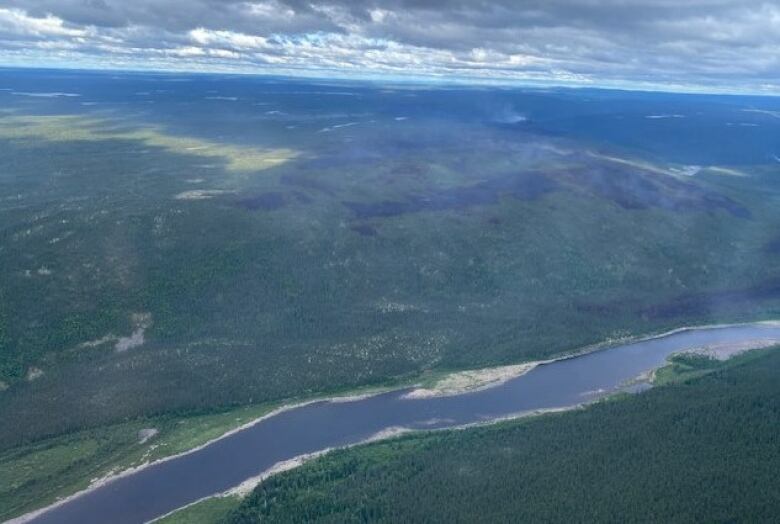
(227, 462)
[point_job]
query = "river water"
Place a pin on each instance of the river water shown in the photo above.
(226, 463)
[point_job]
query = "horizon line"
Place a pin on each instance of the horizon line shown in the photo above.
(430, 80)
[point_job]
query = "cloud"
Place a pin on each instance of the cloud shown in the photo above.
(697, 44)
(17, 22)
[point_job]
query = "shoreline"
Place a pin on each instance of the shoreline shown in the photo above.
(489, 372)
(247, 486)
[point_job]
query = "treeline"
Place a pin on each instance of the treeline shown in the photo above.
(705, 450)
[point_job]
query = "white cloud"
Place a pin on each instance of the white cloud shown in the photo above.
(16, 21)
(269, 10)
(207, 37)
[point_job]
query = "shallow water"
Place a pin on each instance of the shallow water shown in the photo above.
(225, 463)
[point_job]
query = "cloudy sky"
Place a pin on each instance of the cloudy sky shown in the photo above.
(731, 45)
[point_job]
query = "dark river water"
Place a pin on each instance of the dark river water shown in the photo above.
(225, 463)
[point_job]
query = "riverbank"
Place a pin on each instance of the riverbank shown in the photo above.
(460, 382)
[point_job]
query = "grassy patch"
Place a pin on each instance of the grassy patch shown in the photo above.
(71, 128)
(35, 475)
(686, 366)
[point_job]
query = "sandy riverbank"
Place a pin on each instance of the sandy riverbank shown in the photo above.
(474, 380)
(727, 350)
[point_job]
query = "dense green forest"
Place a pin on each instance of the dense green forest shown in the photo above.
(352, 282)
(703, 449)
